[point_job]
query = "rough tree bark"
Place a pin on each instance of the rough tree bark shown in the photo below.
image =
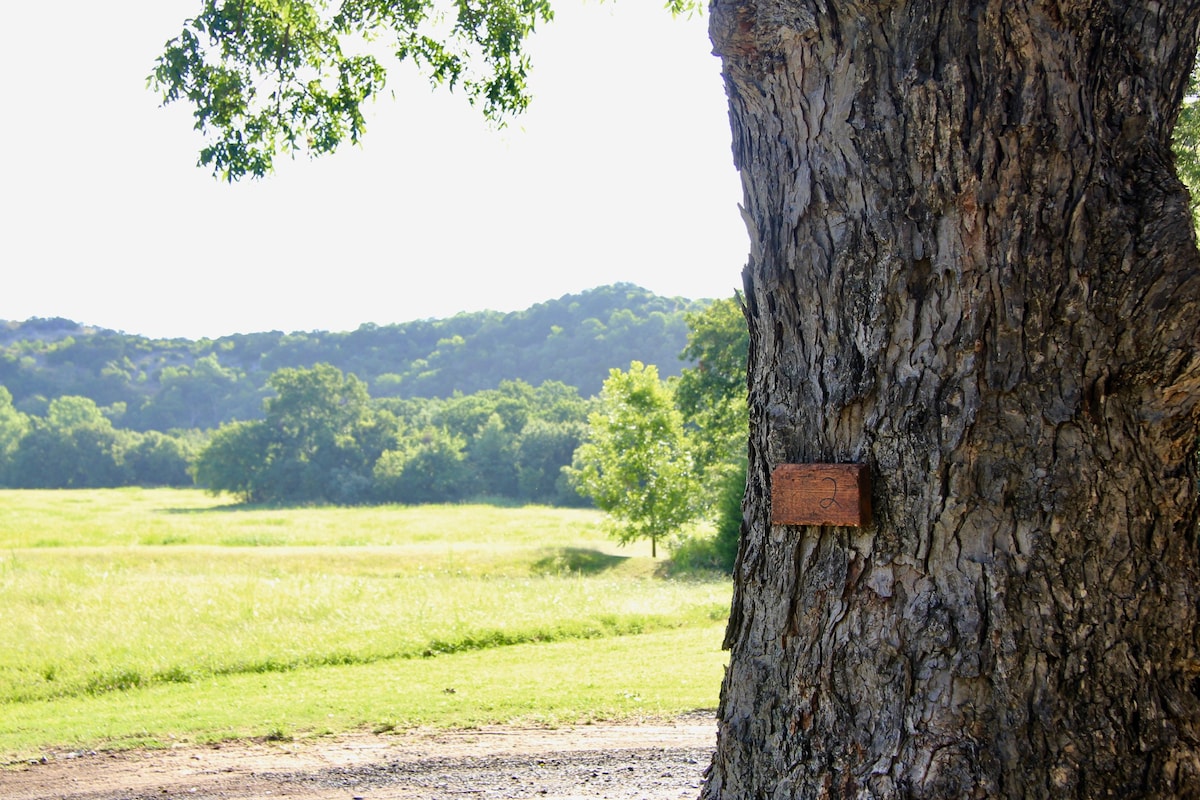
(973, 269)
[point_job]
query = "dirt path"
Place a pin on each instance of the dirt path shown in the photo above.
(654, 761)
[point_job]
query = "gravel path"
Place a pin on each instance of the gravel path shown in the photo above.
(652, 761)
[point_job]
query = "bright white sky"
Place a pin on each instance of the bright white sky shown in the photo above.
(621, 171)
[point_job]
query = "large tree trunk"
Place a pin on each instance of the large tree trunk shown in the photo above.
(972, 269)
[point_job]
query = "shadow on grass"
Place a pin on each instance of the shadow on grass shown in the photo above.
(579, 560)
(214, 509)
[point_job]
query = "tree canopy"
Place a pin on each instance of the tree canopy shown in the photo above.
(270, 77)
(634, 462)
(318, 443)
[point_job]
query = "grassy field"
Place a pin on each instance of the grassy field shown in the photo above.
(142, 617)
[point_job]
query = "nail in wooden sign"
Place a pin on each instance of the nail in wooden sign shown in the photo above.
(821, 494)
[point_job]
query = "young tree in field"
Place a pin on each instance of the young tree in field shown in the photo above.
(972, 269)
(634, 462)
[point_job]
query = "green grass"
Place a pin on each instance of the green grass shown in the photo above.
(648, 676)
(147, 616)
(170, 517)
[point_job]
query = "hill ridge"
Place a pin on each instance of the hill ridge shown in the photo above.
(165, 384)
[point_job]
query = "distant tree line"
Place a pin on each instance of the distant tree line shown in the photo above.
(74, 445)
(323, 440)
(154, 384)
(653, 453)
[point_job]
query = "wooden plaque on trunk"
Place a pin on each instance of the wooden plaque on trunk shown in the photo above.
(821, 494)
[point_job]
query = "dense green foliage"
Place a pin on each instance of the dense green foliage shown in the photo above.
(634, 462)
(318, 443)
(712, 397)
(712, 394)
(324, 440)
(75, 445)
(13, 427)
(145, 384)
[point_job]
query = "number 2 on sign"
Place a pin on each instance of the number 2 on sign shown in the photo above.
(831, 500)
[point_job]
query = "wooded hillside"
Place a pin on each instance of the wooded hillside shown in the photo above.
(163, 384)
